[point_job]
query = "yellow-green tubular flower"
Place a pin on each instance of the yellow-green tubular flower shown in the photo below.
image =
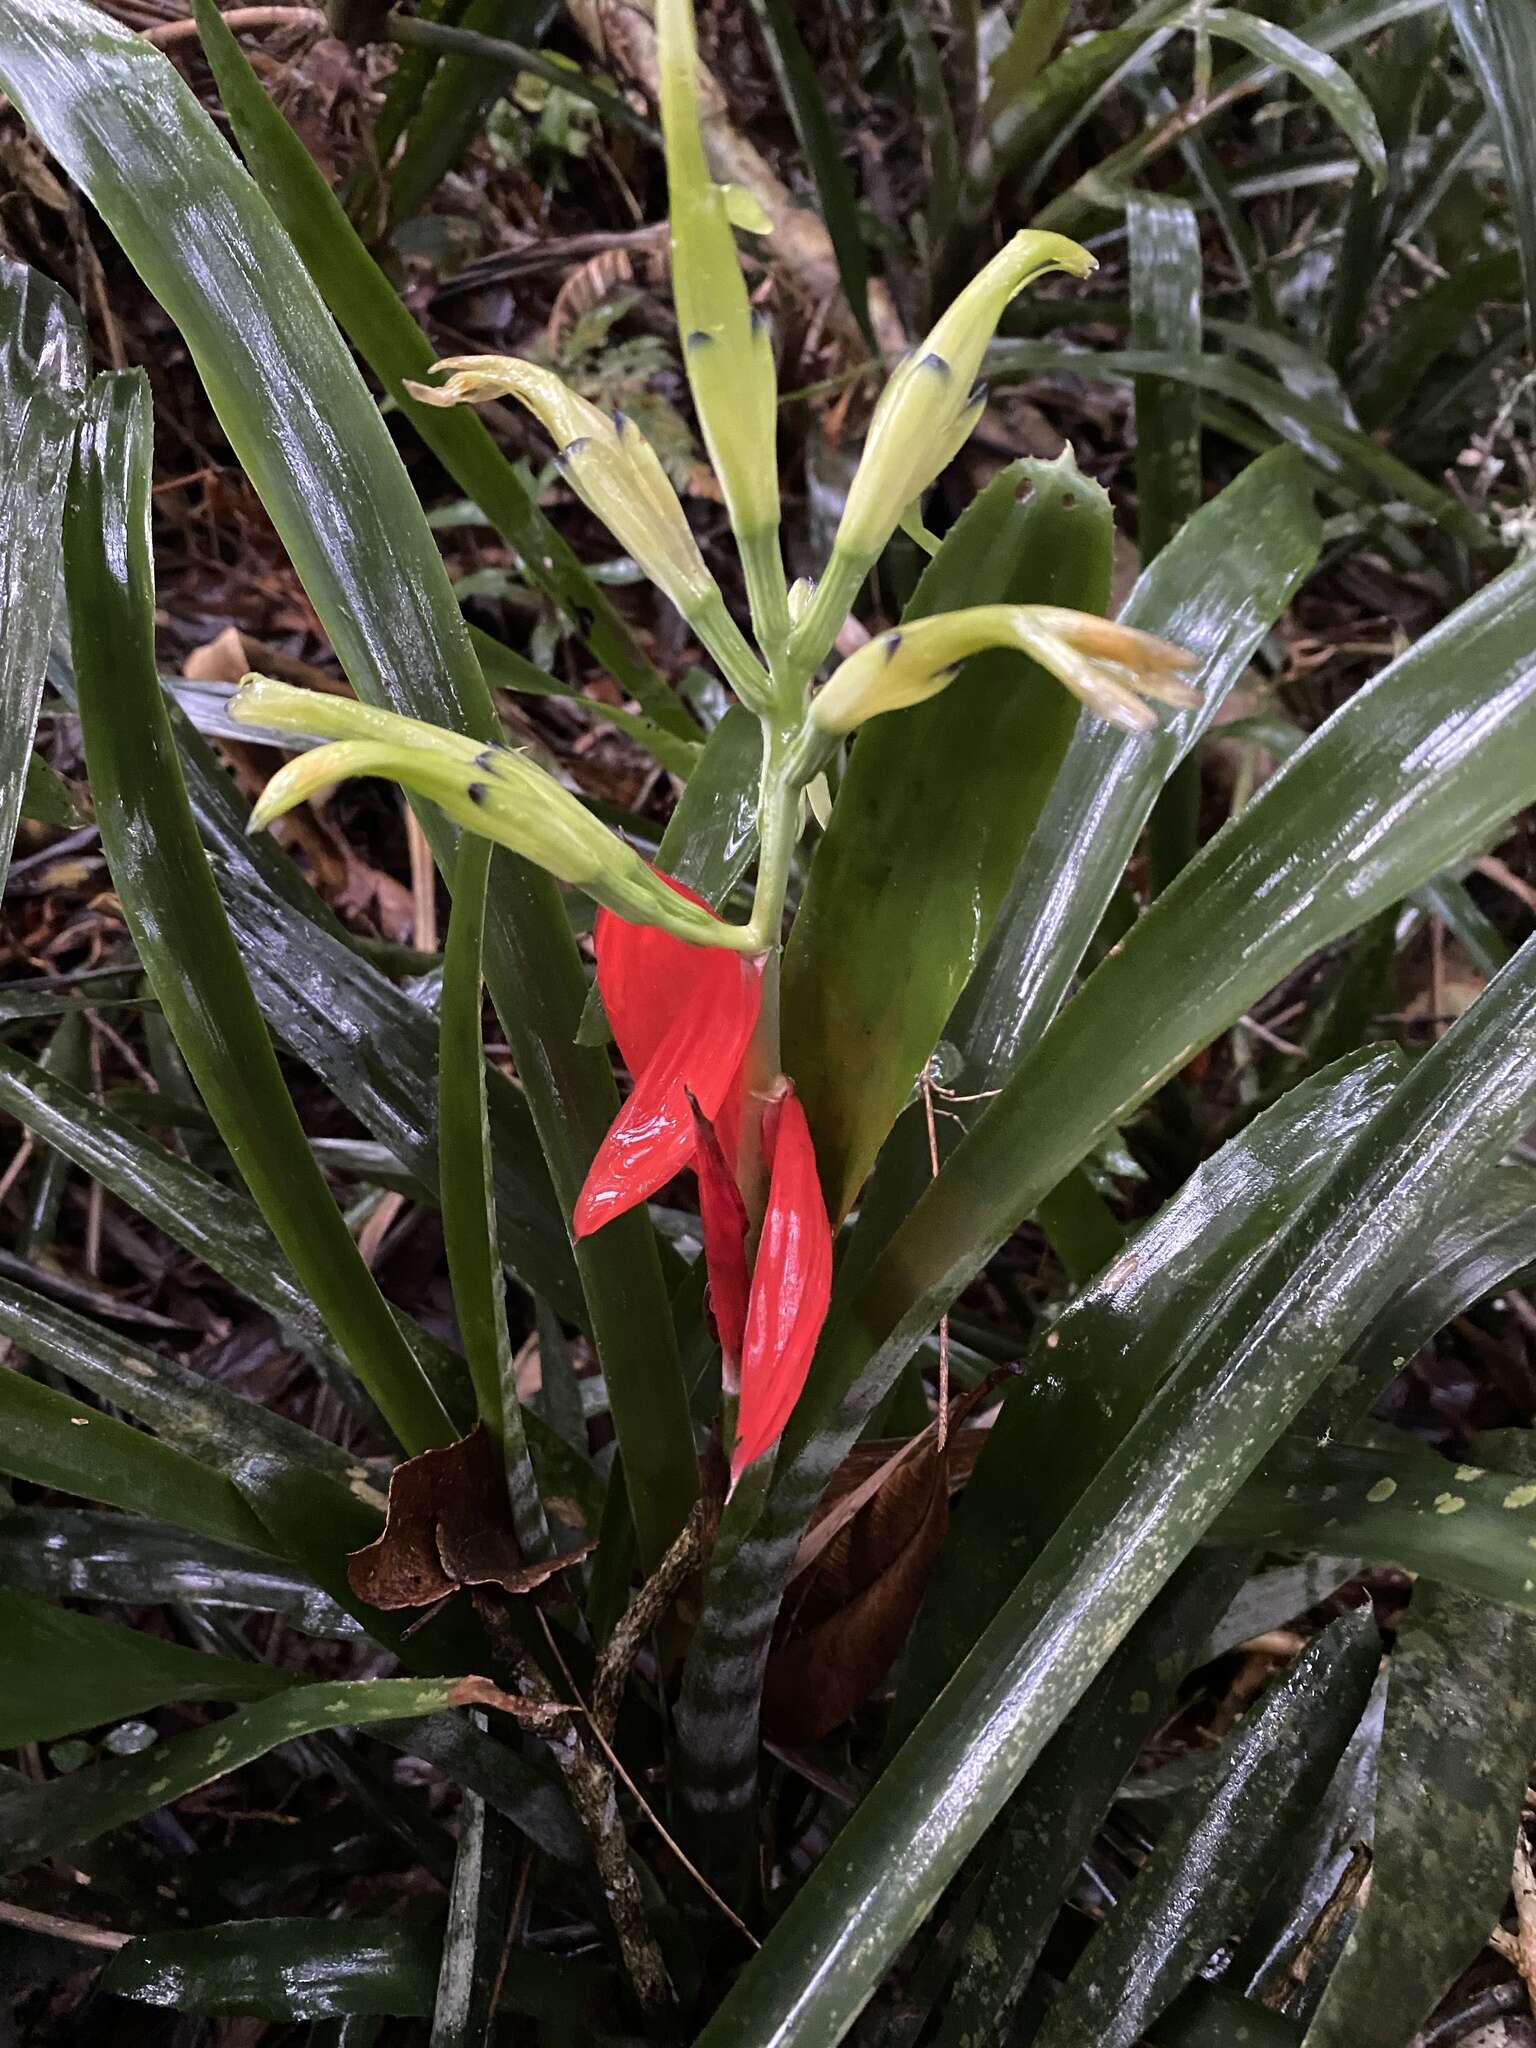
(930, 404)
(726, 346)
(492, 790)
(606, 460)
(1111, 668)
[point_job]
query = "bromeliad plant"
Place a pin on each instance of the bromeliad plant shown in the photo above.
(886, 1741)
(693, 999)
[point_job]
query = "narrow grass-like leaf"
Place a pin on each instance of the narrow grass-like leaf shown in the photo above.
(1241, 1377)
(1216, 1858)
(802, 95)
(1327, 81)
(123, 124)
(1488, 1245)
(469, 1198)
(85, 1554)
(475, 1939)
(1341, 452)
(68, 1671)
(1166, 257)
(980, 755)
(1455, 1752)
(381, 329)
(1404, 1508)
(195, 1414)
(173, 909)
(42, 380)
(60, 1813)
(454, 105)
(1499, 38)
(54, 1441)
(1164, 240)
(284, 1969)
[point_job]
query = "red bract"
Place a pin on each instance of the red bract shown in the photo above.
(791, 1286)
(683, 1017)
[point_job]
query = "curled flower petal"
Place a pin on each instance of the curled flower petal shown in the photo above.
(724, 1217)
(791, 1286)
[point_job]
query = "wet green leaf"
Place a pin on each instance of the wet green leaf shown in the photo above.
(1468, 1527)
(884, 885)
(1215, 1859)
(173, 910)
(54, 1441)
(83, 1554)
(1239, 1380)
(1499, 38)
(1459, 1736)
(293, 1969)
(42, 1819)
(123, 124)
(1094, 1371)
(1327, 80)
(66, 1672)
(42, 380)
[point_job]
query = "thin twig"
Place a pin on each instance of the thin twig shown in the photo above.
(641, 1617)
(63, 1930)
(239, 19)
(594, 1795)
(640, 1799)
(933, 1161)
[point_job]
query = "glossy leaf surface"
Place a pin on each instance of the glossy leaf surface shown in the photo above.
(1455, 1751)
(886, 886)
(1215, 1859)
(69, 1671)
(119, 119)
(173, 909)
(42, 380)
(1236, 1386)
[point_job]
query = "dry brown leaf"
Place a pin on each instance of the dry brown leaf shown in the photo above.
(448, 1524)
(861, 1574)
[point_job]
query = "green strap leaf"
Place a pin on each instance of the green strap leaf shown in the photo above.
(59, 1814)
(42, 380)
(884, 886)
(1216, 589)
(84, 1554)
(186, 1409)
(1460, 1732)
(173, 909)
(1242, 1376)
(802, 95)
(1216, 1858)
(1499, 38)
(54, 1441)
(1406, 1509)
(68, 1671)
(1326, 79)
(1049, 1823)
(285, 1969)
(1340, 451)
(1099, 1364)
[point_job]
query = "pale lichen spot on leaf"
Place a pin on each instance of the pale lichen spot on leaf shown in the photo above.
(1449, 1503)
(1520, 1496)
(1382, 1490)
